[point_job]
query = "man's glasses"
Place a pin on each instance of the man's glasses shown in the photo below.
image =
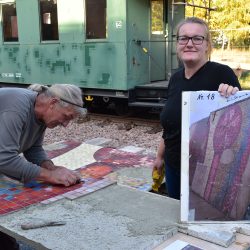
(197, 40)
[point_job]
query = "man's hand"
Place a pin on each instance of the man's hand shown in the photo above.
(227, 90)
(60, 175)
(48, 164)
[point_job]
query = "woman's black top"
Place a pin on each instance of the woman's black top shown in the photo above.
(208, 77)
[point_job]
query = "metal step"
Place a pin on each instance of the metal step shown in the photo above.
(146, 104)
(154, 85)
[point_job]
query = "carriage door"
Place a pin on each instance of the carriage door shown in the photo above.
(157, 52)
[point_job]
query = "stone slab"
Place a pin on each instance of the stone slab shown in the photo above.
(223, 234)
(242, 243)
(215, 235)
(132, 149)
(116, 217)
(244, 229)
(99, 141)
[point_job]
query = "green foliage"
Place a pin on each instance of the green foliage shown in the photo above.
(157, 16)
(230, 21)
(195, 11)
(245, 80)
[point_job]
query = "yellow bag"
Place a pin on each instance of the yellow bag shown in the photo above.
(157, 179)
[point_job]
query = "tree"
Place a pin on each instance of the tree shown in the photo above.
(230, 21)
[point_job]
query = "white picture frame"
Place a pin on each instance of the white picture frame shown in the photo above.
(197, 108)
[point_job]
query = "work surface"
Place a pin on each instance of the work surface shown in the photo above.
(116, 217)
(110, 210)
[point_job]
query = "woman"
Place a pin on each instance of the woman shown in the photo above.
(193, 49)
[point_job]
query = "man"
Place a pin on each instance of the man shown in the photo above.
(24, 116)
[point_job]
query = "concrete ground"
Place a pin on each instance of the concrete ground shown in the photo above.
(115, 217)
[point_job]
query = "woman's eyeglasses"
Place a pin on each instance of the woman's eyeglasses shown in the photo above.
(197, 40)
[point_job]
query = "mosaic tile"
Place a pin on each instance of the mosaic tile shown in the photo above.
(80, 156)
(59, 148)
(87, 190)
(138, 183)
(120, 158)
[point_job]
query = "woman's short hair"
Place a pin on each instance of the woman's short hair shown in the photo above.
(68, 94)
(201, 22)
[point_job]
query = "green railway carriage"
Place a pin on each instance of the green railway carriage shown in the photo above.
(112, 49)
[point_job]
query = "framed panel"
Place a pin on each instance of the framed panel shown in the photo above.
(215, 160)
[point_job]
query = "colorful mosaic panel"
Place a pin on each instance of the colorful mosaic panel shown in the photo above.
(96, 175)
(14, 195)
(222, 177)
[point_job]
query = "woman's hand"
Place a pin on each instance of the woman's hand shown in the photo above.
(158, 164)
(227, 90)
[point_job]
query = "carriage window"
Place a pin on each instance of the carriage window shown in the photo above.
(49, 21)
(96, 19)
(9, 17)
(157, 24)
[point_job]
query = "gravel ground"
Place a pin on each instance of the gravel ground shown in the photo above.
(126, 134)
